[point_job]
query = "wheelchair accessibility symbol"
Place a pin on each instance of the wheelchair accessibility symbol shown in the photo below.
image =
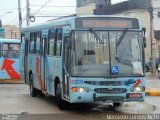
(115, 69)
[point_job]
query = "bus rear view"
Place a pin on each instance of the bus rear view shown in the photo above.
(9, 60)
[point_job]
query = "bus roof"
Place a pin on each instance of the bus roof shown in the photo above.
(9, 40)
(67, 21)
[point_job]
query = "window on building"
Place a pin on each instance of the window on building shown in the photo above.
(159, 14)
(157, 34)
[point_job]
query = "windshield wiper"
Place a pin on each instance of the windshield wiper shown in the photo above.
(121, 37)
(96, 36)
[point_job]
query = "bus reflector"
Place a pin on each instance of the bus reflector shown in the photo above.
(74, 89)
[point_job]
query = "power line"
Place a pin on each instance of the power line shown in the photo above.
(53, 6)
(16, 17)
(53, 16)
(9, 9)
(41, 7)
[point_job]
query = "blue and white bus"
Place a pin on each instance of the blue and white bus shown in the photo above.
(85, 59)
(9, 60)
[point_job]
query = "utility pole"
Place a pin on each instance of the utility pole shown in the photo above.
(153, 40)
(27, 13)
(20, 17)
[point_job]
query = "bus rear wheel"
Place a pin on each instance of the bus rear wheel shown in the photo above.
(63, 105)
(33, 91)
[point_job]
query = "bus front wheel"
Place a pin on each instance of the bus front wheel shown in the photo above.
(63, 105)
(33, 91)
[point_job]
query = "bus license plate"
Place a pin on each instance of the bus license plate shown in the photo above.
(134, 95)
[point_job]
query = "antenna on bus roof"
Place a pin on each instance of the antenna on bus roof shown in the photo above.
(62, 17)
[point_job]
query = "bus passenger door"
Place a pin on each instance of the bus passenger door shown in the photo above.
(42, 61)
(66, 64)
(23, 58)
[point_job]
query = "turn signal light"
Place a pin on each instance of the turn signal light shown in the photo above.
(74, 89)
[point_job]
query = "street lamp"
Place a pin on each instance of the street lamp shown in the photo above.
(5, 13)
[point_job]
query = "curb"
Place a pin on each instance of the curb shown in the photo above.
(11, 81)
(151, 92)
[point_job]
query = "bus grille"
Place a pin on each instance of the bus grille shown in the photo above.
(106, 83)
(106, 98)
(112, 91)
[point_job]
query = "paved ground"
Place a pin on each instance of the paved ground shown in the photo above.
(152, 81)
(15, 99)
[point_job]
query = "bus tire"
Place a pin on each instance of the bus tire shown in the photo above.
(33, 91)
(158, 74)
(118, 104)
(63, 105)
(41, 94)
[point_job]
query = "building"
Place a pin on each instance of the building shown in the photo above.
(146, 10)
(11, 32)
(1, 30)
(86, 7)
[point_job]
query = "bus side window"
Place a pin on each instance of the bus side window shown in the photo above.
(58, 41)
(32, 43)
(51, 48)
(0, 50)
(38, 38)
(11, 50)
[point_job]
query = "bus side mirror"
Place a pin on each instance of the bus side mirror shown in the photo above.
(145, 42)
(144, 31)
(68, 42)
(144, 38)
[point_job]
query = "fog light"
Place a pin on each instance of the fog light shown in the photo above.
(138, 89)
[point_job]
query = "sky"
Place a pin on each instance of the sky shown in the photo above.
(9, 10)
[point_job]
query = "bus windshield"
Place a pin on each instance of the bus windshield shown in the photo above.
(106, 53)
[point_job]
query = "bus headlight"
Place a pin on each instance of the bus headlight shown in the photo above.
(83, 89)
(138, 89)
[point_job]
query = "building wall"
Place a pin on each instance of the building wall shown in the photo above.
(156, 6)
(11, 32)
(81, 3)
(86, 7)
(86, 10)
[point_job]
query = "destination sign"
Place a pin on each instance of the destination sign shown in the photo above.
(107, 22)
